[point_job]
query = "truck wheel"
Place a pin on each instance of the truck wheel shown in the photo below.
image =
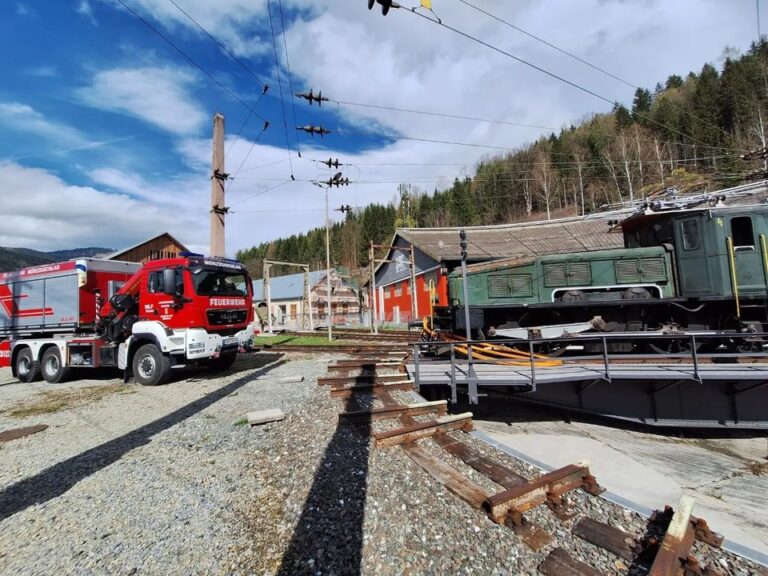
(52, 367)
(27, 370)
(150, 366)
(223, 362)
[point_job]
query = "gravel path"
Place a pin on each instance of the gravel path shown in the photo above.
(140, 483)
(162, 481)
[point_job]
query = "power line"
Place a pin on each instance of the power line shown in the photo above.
(280, 86)
(288, 66)
(586, 63)
(252, 168)
(538, 39)
(189, 58)
(221, 45)
(242, 126)
(440, 114)
(283, 183)
(544, 71)
(253, 145)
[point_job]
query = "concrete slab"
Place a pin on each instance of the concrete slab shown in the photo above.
(264, 416)
(651, 469)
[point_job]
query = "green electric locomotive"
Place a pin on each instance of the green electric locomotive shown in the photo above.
(703, 269)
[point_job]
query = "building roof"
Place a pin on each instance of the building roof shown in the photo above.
(115, 255)
(290, 287)
(515, 240)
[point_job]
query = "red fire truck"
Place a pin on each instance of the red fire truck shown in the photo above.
(142, 319)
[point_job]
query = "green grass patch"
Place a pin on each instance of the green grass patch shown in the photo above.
(58, 400)
(241, 422)
(299, 341)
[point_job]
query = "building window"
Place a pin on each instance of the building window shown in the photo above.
(741, 228)
(398, 290)
(293, 311)
(387, 293)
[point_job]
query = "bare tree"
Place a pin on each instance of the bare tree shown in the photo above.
(611, 165)
(625, 153)
(545, 177)
(580, 154)
(659, 161)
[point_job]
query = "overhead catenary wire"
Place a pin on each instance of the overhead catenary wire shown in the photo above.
(226, 50)
(280, 86)
(545, 71)
(586, 63)
(242, 126)
(275, 187)
(439, 114)
(253, 145)
(290, 76)
(190, 59)
(539, 39)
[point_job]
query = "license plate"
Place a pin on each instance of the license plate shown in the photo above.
(229, 342)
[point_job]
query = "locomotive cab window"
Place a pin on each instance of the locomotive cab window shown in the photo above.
(691, 237)
(743, 236)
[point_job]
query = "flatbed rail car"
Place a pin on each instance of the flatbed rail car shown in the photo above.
(700, 269)
(141, 319)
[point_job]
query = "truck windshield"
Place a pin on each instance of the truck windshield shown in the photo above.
(220, 283)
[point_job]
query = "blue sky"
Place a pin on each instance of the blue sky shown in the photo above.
(105, 128)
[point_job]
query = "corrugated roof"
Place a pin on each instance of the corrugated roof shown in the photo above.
(515, 240)
(290, 287)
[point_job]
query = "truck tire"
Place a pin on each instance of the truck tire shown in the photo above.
(222, 362)
(150, 366)
(52, 367)
(27, 369)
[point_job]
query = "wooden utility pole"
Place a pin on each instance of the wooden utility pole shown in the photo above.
(218, 178)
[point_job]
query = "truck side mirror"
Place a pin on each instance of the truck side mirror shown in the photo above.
(169, 281)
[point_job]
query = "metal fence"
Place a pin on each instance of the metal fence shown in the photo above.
(721, 345)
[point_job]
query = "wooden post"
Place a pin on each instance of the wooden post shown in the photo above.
(414, 296)
(218, 177)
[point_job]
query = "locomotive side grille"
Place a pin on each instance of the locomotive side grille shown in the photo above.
(653, 269)
(554, 274)
(520, 284)
(579, 274)
(498, 286)
(627, 271)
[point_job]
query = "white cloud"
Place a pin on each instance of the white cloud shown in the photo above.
(26, 120)
(86, 11)
(359, 56)
(231, 21)
(157, 95)
(47, 213)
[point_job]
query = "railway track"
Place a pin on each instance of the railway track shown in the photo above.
(379, 394)
(362, 336)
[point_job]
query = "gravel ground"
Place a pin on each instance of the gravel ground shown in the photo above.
(141, 483)
(162, 481)
(339, 506)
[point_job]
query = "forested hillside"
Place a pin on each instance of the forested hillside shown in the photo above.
(16, 258)
(687, 132)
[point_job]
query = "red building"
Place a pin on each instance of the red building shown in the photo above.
(437, 253)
